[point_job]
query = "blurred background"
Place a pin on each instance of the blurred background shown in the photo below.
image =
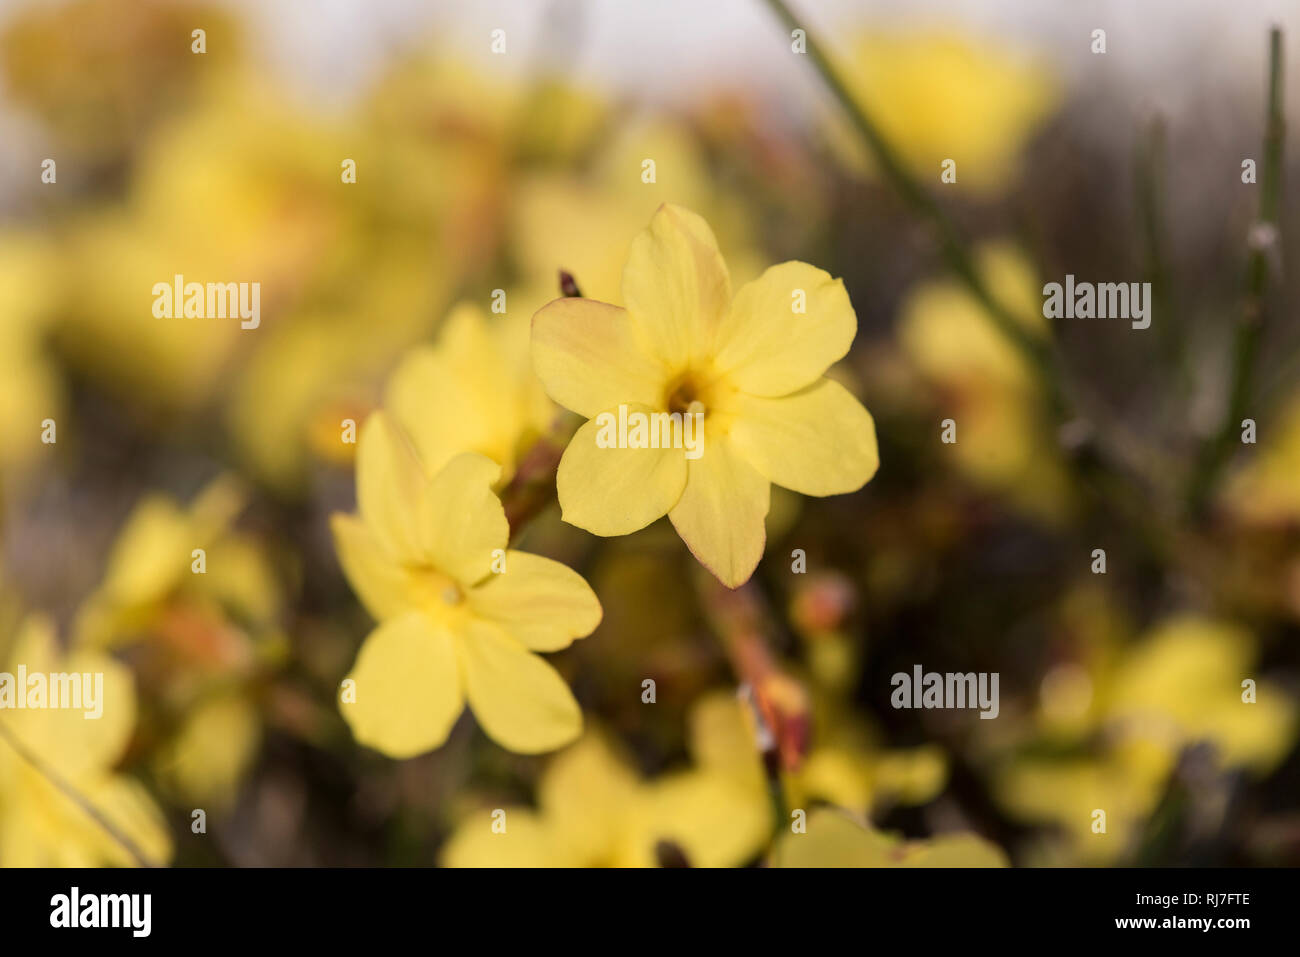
(479, 171)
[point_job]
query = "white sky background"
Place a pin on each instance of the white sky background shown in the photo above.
(1194, 60)
(665, 51)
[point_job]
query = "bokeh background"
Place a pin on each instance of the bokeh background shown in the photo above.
(479, 171)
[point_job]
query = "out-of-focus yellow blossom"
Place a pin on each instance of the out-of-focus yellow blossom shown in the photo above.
(217, 742)
(1183, 684)
(575, 222)
(1002, 441)
(472, 391)
(940, 95)
(327, 255)
(835, 839)
(204, 634)
(100, 74)
(843, 767)
(1267, 490)
(152, 559)
(461, 617)
(30, 390)
(1179, 685)
(595, 811)
(41, 823)
(249, 168)
(442, 97)
(1124, 782)
(752, 365)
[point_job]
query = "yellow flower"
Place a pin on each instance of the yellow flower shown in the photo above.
(566, 219)
(461, 617)
(41, 823)
(1266, 490)
(1129, 717)
(939, 96)
(152, 561)
(1124, 782)
(595, 811)
(1183, 684)
(473, 391)
(843, 768)
(201, 636)
(216, 744)
(835, 839)
(750, 365)
(990, 390)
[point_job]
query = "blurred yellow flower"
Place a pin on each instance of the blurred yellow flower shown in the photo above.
(843, 768)
(1179, 685)
(100, 74)
(202, 635)
(472, 391)
(1267, 489)
(835, 839)
(216, 744)
(1003, 442)
(153, 558)
(461, 617)
(751, 366)
(595, 811)
(567, 220)
(1183, 683)
(1124, 783)
(41, 823)
(940, 95)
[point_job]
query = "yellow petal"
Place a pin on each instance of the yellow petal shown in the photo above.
(441, 404)
(613, 491)
(390, 486)
(377, 579)
(586, 354)
(70, 740)
(587, 794)
(480, 842)
(818, 441)
(675, 285)
(520, 700)
(955, 850)
(473, 391)
(722, 739)
(721, 511)
(542, 603)
(466, 522)
(715, 821)
(833, 839)
(408, 687)
(767, 347)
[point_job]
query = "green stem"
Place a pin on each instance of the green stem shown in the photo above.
(952, 245)
(1250, 319)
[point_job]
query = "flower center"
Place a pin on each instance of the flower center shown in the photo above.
(436, 592)
(685, 394)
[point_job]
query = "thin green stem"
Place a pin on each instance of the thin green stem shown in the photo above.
(952, 245)
(1264, 244)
